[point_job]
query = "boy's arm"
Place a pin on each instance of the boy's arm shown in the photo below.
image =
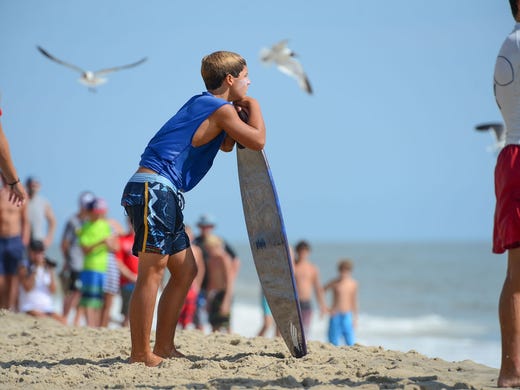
(228, 144)
(251, 134)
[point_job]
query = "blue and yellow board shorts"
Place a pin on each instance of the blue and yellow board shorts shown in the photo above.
(155, 211)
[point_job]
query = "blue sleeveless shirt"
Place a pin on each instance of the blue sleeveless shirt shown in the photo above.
(170, 153)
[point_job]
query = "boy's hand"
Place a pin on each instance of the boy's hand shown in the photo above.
(244, 104)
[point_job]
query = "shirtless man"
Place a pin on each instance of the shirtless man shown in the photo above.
(344, 310)
(14, 236)
(220, 284)
(307, 278)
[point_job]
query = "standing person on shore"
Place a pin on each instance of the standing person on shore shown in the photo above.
(41, 215)
(96, 240)
(73, 257)
(206, 225)
(344, 310)
(14, 237)
(220, 284)
(307, 277)
(174, 161)
(17, 193)
(506, 234)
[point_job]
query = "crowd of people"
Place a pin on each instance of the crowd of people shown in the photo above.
(97, 259)
(98, 264)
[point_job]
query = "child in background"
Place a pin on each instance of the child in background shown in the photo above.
(344, 310)
(96, 240)
(38, 284)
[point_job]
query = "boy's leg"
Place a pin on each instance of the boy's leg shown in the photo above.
(142, 306)
(334, 329)
(183, 269)
(509, 315)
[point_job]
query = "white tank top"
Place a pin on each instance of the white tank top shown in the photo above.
(507, 85)
(40, 297)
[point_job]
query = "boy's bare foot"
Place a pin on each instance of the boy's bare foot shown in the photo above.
(150, 360)
(172, 354)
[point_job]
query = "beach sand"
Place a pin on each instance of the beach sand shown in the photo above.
(43, 354)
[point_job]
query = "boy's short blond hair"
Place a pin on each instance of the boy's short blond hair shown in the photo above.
(216, 66)
(345, 265)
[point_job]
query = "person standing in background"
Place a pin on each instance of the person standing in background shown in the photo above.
(17, 193)
(307, 277)
(95, 238)
(14, 237)
(206, 225)
(506, 231)
(73, 257)
(41, 215)
(220, 284)
(344, 310)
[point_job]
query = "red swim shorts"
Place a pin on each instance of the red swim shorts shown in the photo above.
(189, 308)
(506, 232)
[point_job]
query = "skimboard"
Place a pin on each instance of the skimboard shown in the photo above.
(269, 246)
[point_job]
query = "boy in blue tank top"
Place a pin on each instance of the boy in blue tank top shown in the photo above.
(174, 161)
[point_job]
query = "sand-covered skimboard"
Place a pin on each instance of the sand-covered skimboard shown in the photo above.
(269, 246)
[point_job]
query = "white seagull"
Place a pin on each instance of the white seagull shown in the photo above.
(499, 134)
(285, 60)
(89, 78)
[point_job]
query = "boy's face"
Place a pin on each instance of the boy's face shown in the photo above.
(240, 85)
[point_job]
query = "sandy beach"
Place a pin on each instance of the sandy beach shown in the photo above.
(43, 354)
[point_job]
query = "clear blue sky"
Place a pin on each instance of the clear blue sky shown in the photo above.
(384, 150)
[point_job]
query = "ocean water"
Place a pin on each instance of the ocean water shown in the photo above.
(437, 298)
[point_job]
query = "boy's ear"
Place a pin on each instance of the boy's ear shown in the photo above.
(229, 79)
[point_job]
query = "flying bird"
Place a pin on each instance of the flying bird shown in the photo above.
(89, 78)
(285, 60)
(499, 133)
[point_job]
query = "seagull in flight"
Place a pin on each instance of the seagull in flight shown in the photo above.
(499, 133)
(285, 60)
(89, 78)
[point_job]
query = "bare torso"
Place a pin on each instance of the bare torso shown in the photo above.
(344, 295)
(305, 274)
(12, 218)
